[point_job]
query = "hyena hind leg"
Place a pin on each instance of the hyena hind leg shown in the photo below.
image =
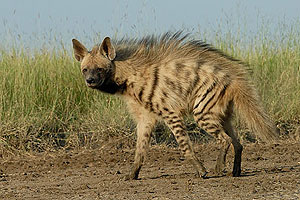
(221, 159)
(238, 148)
(175, 123)
(144, 128)
(223, 132)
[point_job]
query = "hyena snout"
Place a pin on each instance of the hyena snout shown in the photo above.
(90, 80)
(93, 82)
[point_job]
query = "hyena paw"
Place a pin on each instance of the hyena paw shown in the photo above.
(236, 173)
(220, 168)
(202, 175)
(219, 171)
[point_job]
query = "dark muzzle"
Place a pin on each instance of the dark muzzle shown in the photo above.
(90, 80)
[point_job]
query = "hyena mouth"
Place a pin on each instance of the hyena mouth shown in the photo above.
(94, 84)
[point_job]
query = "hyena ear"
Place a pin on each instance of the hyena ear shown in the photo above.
(107, 49)
(79, 50)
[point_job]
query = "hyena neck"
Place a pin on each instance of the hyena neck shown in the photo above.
(124, 70)
(111, 87)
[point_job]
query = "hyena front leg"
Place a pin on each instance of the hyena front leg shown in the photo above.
(175, 123)
(145, 125)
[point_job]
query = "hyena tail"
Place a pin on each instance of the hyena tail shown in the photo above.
(249, 108)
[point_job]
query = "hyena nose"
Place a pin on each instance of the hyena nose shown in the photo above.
(90, 80)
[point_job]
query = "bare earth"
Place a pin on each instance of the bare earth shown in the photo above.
(268, 172)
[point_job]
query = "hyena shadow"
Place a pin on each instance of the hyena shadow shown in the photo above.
(270, 170)
(247, 172)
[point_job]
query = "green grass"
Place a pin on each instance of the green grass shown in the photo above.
(275, 70)
(44, 103)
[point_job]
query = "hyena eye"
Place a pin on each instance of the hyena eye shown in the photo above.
(84, 70)
(99, 69)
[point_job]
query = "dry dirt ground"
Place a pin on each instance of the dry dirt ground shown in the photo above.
(268, 172)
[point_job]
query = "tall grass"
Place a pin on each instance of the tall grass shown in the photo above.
(274, 63)
(45, 104)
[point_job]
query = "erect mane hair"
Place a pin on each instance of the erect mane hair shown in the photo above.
(153, 48)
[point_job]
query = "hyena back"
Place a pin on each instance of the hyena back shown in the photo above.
(166, 77)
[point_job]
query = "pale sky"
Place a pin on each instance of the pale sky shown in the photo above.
(32, 21)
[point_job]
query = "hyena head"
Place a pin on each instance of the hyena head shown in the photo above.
(97, 66)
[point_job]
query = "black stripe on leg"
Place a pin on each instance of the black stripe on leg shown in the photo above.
(174, 122)
(177, 126)
(203, 115)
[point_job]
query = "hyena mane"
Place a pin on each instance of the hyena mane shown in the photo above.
(165, 77)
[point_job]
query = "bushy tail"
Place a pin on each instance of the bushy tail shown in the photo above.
(248, 106)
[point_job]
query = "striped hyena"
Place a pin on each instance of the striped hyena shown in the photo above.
(169, 76)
